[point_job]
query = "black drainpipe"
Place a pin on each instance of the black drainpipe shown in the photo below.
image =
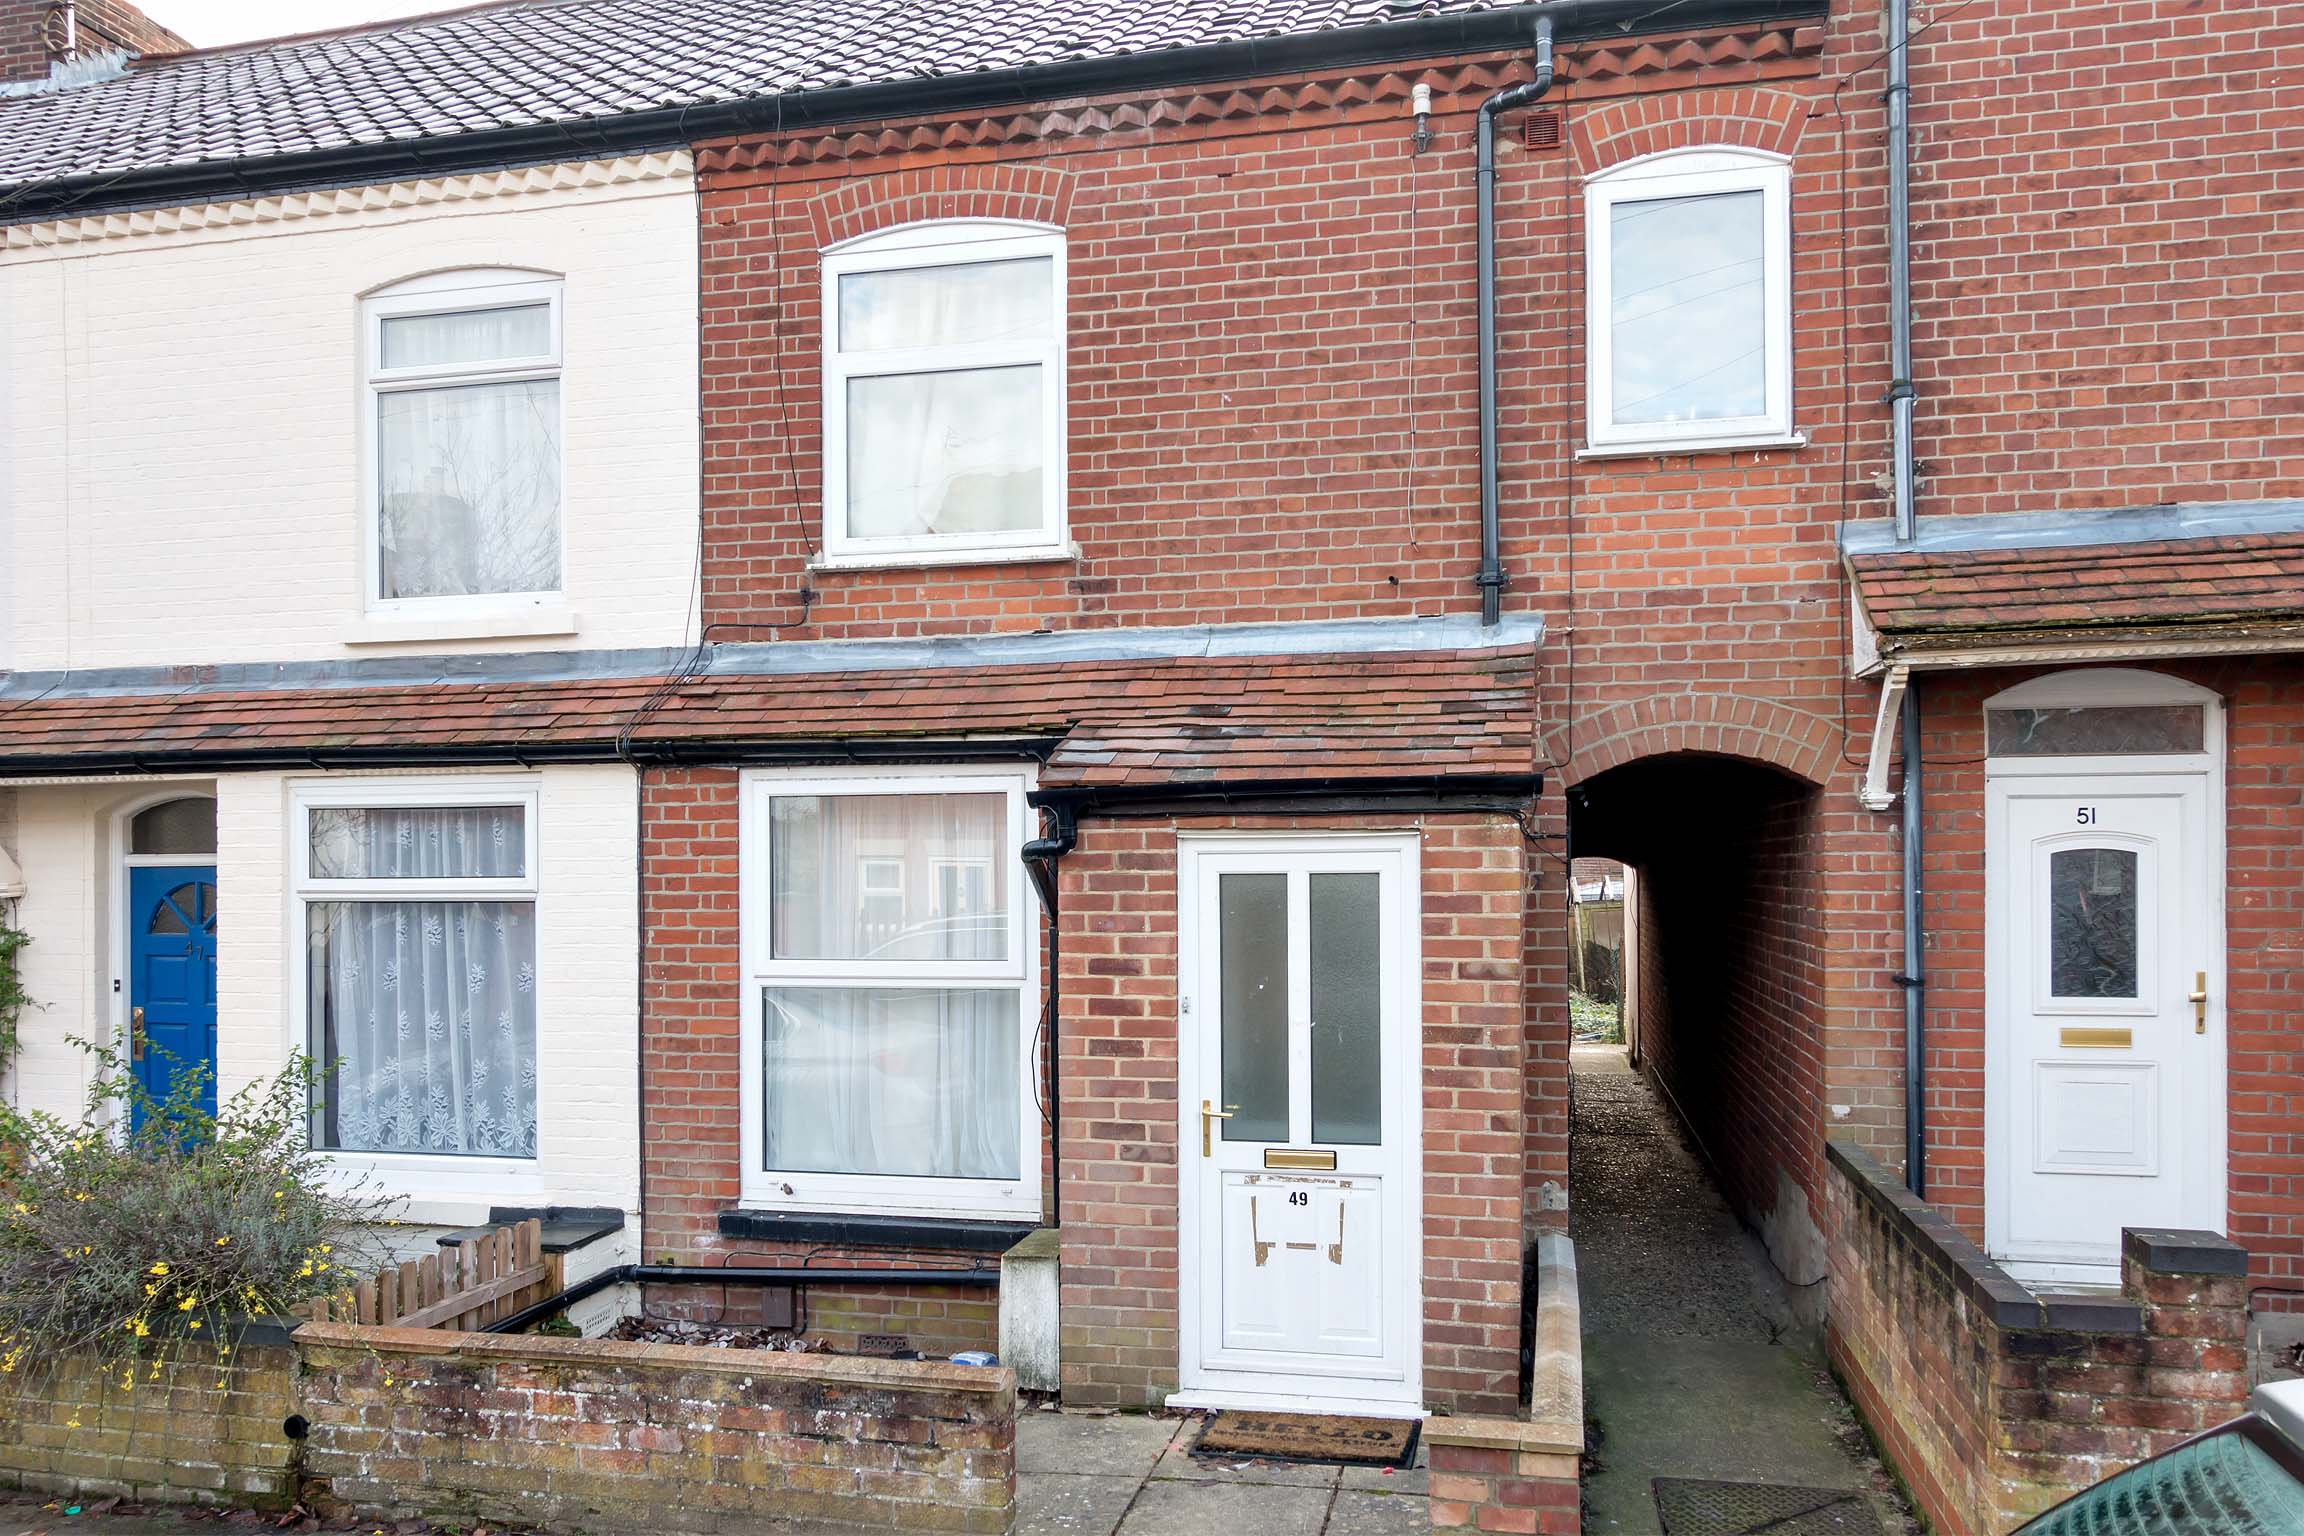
(1491, 578)
(1901, 398)
(1040, 856)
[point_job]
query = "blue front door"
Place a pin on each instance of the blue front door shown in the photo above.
(172, 977)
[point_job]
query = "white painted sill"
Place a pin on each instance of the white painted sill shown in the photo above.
(521, 624)
(1683, 447)
(1037, 554)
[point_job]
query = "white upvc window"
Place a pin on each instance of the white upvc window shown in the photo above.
(1689, 302)
(414, 907)
(944, 394)
(890, 992)
(462, 450)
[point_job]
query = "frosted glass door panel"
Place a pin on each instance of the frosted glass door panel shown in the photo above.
(1347, 1012)
(1253, 917)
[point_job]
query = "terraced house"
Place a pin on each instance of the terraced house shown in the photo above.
(861, 630)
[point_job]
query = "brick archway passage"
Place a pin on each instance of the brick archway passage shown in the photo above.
(1728, 1017)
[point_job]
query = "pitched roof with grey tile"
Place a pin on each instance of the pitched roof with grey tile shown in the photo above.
(570, 61)
(537, 72)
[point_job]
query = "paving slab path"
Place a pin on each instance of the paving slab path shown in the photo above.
(1694, 1364)
(1135, 1475)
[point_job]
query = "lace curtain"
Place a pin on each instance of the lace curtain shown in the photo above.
(953, 450)
(914, 1077)
(424, 1010)
(468, 476)
(891, 1080)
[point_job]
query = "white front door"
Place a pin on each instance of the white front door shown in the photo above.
(2105, 1086)
(1299, 1222)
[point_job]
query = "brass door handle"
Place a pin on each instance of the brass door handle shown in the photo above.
(1209, 1115)
(2198, 998)
(135, 1034)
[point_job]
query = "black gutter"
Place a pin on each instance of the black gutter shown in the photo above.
(1490, 579)
(734, 1274)
(667, 128)
(686, 751)
(1040, 856)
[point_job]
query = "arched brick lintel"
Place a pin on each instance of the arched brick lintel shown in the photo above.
(1789, 740)
(1611, 133)
(996, 191)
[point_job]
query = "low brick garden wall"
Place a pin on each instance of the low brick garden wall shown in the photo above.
(589, 1434)
(1523, 1475)
(210, 1430)
(572, 1435)
(1994, 1403)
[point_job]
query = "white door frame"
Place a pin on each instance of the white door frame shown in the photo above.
(2007, 980)
(1403, 1110)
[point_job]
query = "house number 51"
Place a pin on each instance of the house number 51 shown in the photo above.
(2085, 815)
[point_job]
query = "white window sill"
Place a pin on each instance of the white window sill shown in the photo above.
(512, 624)
(1680, 447)
(1037, 554)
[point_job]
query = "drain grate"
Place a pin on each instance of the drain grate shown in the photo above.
(1692, 1507)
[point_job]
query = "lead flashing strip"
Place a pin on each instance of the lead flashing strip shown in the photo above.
(146, 224)
(784, 658)
(2065, 530)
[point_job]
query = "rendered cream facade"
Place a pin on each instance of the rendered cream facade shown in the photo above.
(185, 472)
(587, 959)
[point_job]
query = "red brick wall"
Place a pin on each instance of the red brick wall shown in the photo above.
(1272, 363)
(1118, 1055)
(2104, 253)
(1993, 1406)
(30, 39)
(2264, 946)
(590, 1434)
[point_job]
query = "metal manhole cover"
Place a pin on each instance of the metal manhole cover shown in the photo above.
(1692, 1507)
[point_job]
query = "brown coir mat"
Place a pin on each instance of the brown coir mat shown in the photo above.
(1320, 1437)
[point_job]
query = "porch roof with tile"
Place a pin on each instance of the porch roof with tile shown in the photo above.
(2179, 578)
(1112, 724)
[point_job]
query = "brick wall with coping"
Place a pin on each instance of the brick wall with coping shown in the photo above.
(1522, 1475)
(576, 1434)
(1994, 1403)
(208, 1429)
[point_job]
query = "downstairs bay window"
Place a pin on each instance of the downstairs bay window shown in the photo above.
(890, 990)
(416, 900)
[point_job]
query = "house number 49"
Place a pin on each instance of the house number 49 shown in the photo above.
(2085, 815)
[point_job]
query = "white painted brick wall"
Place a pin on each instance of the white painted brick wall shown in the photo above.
(588, 959)
(179, 415)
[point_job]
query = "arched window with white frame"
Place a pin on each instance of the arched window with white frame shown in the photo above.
(944, 394)
(1689, 302)
(463, 444)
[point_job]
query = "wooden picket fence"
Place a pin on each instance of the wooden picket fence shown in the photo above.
(466, 1287)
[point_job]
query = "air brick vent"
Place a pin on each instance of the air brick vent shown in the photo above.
(1540, 130)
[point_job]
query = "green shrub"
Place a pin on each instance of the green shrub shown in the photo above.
(123, 1243)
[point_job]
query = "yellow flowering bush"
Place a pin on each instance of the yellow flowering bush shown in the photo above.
(123, 1231)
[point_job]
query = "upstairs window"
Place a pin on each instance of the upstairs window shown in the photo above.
(944, 394)
(1690, 295)
(464, 443)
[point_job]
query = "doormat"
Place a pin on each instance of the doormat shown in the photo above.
(1692, 1507)
(1321, 1437)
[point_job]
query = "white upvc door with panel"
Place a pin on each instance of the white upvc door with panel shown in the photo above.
(2105, 1071)
(1300, 1216)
